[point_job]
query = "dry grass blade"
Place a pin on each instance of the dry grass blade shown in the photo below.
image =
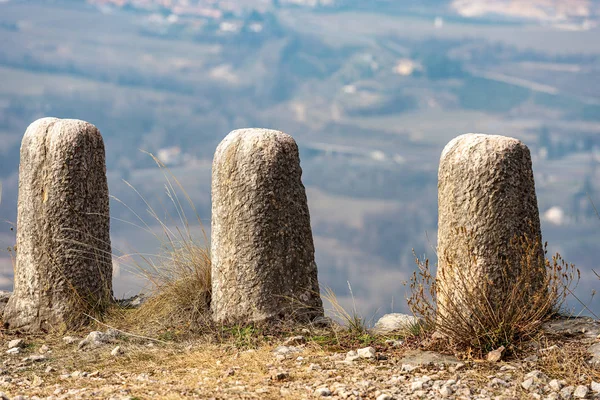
(352, 320)
(180, 276)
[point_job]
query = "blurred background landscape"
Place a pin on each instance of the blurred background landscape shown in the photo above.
(371, 91)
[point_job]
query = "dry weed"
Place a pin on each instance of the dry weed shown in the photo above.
(179, 276)
(478, 318)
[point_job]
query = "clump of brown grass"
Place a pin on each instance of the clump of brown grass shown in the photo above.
(478, 318)
(178, 299)
(568, 361)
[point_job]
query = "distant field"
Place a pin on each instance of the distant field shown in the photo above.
(344, 28)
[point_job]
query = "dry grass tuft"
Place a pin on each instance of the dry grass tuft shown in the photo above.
(568, 361)
(352, 320)
(477, 318)
(179, 276)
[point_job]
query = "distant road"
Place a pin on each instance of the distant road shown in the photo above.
(531, 85)
(495, 76)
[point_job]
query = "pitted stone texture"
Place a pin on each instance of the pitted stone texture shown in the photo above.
(63, 263)
(263, 266)
(486, 188)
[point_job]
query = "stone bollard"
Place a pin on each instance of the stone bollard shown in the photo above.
(262, 251)
(487, 208)
(63, 262)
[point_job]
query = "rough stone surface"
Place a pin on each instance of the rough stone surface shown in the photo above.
(63, 262)
(594, 351)
(4, 296)
(585, 326)
(486, 199)
(263, 265)
(394, 322)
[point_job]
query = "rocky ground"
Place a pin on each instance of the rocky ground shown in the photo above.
(301, 365)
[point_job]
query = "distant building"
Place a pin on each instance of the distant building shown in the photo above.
(406, 67)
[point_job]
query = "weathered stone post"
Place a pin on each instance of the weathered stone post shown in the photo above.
(262, 251)
(63, 263)
(487, 205)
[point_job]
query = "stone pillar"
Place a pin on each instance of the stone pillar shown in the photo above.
(262, 251)
(63, 262)
(487, 204)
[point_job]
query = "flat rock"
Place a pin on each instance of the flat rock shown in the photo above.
(417, 357)
(594, 351)
(132, 302)
(586, 326)
(394, 322)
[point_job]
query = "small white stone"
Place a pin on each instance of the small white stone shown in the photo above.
(384, 396)
(323, 392)
(595, 386)
(408, 368)
(417, 385)
(44, 349)
(538, 376)
(367, 352)
(70, 339)
(527, 384)
(352, 356)
(117, 351)
(567, 392)
(14, 350)
(498, 382)
(285, 350)
(458, 367)
(581, 392)
(16, 343)
(445, 391)
(394, 343)
(555, 385)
